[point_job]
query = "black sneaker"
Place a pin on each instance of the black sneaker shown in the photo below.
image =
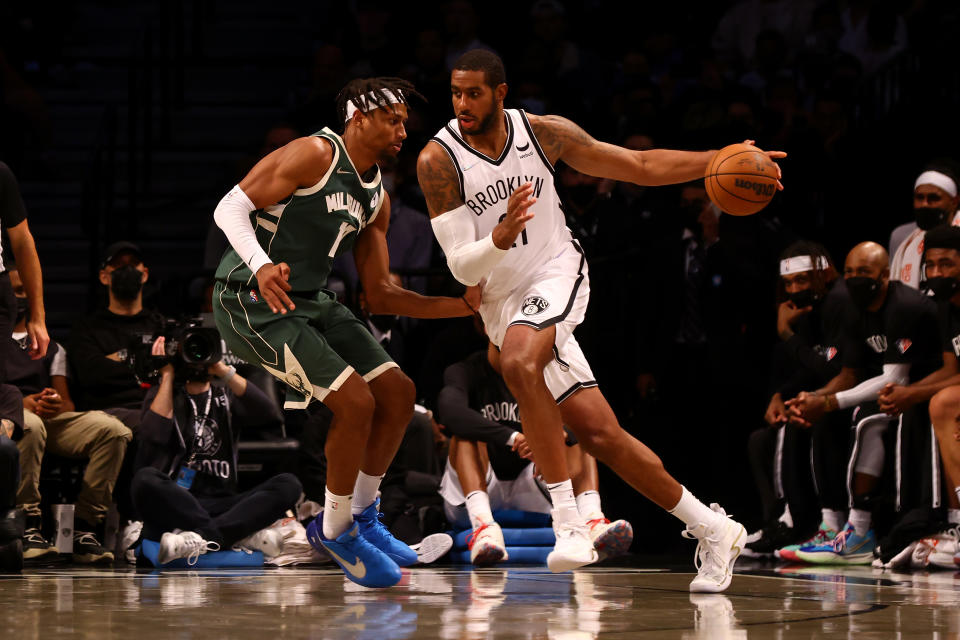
(88, 550)
(775, 536)
(35, 546)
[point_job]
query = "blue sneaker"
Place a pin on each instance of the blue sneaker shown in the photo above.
(362, 562)
(373, 531)
(846, 548)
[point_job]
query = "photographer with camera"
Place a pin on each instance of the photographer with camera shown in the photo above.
(185, 487)
(50, 423)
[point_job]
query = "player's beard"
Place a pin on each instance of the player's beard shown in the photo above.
(484, 124)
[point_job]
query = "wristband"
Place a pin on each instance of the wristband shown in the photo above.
(223, 380)
(829, 402)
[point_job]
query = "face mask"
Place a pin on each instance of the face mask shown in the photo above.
(126, 283)
(23, 308)
(803, 299)
(863, 290)
(930, 217)
(384, 323)
(942, 287)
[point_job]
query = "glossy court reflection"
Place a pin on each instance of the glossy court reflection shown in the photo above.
(451, 603)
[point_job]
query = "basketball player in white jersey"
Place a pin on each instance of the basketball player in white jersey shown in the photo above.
(488, 177)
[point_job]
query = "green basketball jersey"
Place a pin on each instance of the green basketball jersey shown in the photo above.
(313, 225)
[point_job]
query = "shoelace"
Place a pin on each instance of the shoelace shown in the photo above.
(197, 545)
(472, 538)
(85, 537)
(34, 536)
(840, 542)
(596, 521)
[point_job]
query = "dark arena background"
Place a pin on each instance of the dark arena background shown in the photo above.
(129, 121)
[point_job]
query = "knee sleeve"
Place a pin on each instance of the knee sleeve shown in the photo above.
(870, 456)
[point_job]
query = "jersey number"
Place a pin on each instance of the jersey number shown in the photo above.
(523, 234)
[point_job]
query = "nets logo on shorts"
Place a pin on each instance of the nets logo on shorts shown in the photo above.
(534, 305)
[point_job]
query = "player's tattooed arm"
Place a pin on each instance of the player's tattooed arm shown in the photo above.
(438, 180)
(564, 140)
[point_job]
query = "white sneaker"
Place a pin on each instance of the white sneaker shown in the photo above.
(433, 547)
(269, 541)
(183, 544)
(130, 534)
(610, 539)
(573, 548)
(486, 545)
(719, 545)
(944, 547)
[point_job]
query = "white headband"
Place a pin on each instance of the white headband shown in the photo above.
(373, 101)
(799, 264)
(938, 179)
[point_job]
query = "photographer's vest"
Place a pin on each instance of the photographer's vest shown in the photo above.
(312, 226)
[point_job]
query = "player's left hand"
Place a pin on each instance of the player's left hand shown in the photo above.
(773, 155)
(894, 399)
(806, 408)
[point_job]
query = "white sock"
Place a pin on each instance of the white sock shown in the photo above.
(336, 514)
(588, 503)
(833, 518)
(693, 512)
(365, 492)
(786, 518)
(953, 516)
(478, 506)
(564, 504)
(860, 520)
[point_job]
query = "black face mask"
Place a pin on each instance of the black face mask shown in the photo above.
(942, 287)
(23, 308)
(805, 298)
(126, 283)
(930, 217)
(384, 323)
(863, 290)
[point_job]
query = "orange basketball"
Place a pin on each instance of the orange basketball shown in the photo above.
(741, 179)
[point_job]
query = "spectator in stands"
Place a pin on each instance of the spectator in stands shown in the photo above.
(490, 465)
(13, 219)
(99, 345)
(51, 423)
(185, 485)
(11, 518)
(935, 201)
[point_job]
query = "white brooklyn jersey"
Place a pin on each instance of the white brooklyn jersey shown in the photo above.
(486, 185)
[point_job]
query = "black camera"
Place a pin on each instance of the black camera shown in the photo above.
(189, 346)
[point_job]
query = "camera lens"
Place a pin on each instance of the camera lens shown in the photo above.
(196, 348)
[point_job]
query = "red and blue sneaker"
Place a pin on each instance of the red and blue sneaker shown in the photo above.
(362, 562)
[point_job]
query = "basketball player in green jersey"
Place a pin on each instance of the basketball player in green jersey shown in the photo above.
(298, 208)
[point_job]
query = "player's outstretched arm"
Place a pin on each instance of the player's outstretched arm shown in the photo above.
(383, 296)
(562, 139)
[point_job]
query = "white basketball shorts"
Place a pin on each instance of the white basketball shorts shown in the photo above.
(523, 494)
(555, 295)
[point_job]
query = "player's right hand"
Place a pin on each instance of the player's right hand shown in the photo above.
(273, 280)
(516, 218)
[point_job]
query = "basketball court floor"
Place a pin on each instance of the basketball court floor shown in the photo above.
(636, 598)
